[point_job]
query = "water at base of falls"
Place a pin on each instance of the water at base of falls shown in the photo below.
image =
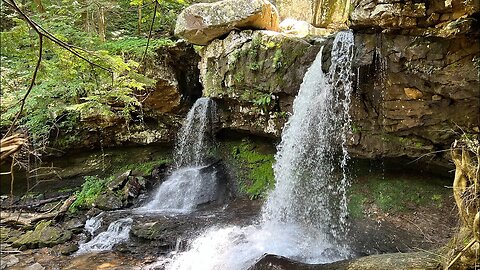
(183, 191)
(239, 247)
(304, 217)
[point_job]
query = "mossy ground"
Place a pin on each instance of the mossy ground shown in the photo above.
(253, 160)
(396, 192)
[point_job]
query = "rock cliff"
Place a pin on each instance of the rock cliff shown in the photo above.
(416, 82)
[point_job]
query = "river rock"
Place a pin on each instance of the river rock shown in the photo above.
(404, 261)
(44, 235)
(8, 261)
(202, 23)
(108, 200)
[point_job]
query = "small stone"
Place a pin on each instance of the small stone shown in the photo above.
(68, 249)
(8, 261)
(35, 266)
(436, 97)
(413, 93)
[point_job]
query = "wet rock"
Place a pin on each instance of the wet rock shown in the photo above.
(108, 200)
(68, 249)
(44, 235)
(202, 23)
(421, 86)
(75, 224)
(8, 261)
(119, 182)
(406, 261)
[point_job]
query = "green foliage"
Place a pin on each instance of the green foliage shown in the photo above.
(91, 189)
(135, 47)
(68, 90)
(259, 172)
(145, 168)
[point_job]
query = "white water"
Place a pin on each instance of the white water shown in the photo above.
(117, 232)
(183, 191)
(94, 223)
(195, 139)
(190, 185)
(304, 217)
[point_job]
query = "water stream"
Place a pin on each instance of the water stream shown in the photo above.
(193, 182)
(304, 217)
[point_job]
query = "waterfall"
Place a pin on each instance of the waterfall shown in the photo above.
(184, 190)
(195, 139)
(309, 162)
(304, 217)
(192, 183)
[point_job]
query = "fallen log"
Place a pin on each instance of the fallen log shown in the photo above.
(29, 219)
(37, 203)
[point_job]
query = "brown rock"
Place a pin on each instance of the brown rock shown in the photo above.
(201, 23)
(413, 93)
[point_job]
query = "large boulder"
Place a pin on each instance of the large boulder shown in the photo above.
(202, 23)
(44, 235)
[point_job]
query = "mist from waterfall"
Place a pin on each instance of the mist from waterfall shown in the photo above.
(304, 217)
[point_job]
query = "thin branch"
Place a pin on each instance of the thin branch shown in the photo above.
(150, 32)
(32, 83)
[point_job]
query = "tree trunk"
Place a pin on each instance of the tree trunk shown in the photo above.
(139, 22)
(101, 24)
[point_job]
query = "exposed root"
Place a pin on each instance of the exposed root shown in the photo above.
(466, 191)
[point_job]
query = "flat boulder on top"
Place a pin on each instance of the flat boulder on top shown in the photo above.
(201, 23)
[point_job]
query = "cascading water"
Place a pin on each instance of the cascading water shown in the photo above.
(304, 217)
(117, 232)
(195, 139)
(191, 184)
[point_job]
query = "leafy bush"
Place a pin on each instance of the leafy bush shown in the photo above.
(91, 189)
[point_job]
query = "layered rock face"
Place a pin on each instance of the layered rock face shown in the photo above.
(416, 85)
(413, 95)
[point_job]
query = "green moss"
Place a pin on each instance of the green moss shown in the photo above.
(145, 168)
(277, 59)
(257, 175)
(393, 195)
(356, 204)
